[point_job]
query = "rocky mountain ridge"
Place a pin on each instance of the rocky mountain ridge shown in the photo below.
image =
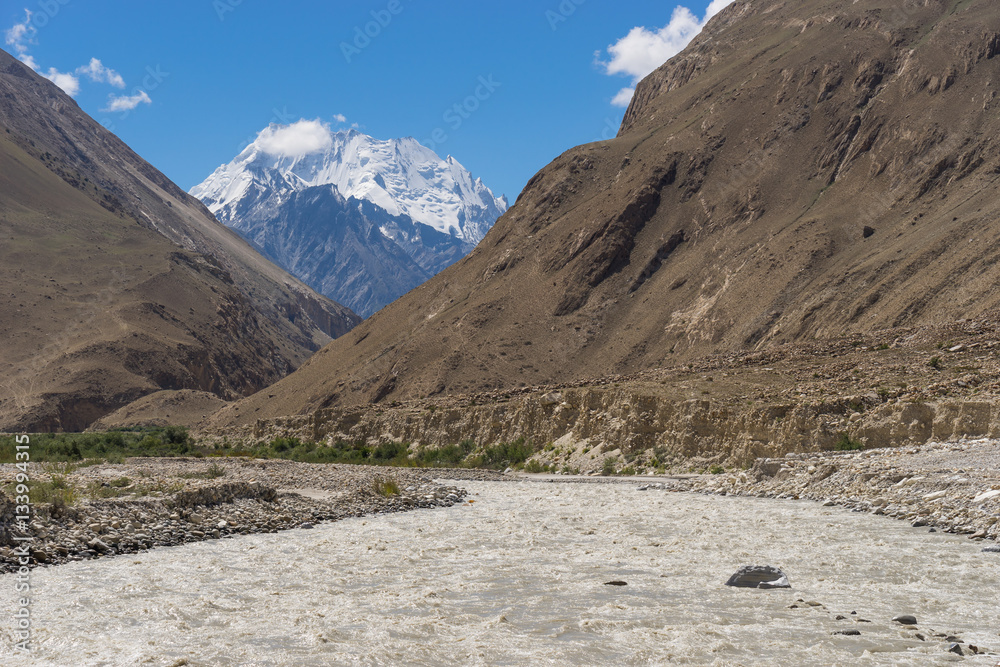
(117, 284)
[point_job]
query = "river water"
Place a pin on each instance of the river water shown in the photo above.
(518, 578)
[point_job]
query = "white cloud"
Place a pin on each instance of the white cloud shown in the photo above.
(20, 35)
(340, 118)
(127, 102)
(623, 97)
(295, 140)
(96, 71)
(65, 80)
(641, 51)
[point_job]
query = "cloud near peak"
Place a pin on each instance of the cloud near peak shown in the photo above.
(642, 50)
(296, 140)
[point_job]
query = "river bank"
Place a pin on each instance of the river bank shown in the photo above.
(952, 487)
(144, 503)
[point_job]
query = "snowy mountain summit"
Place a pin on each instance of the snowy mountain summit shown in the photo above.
(398, 175)
(361, 221)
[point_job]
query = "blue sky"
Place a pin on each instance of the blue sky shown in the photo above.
(203, 77)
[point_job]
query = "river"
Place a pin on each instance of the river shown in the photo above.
(518, 577)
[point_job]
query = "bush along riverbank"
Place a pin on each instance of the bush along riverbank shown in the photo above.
(104, 509)
(116, 446)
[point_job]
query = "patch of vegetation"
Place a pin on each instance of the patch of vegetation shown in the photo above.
(112, 446)
(536, 466)
(610, 466)
(56, 491)
(716, 469)
(845, 443)
(507, 454)
(883, 346)
(213, 471)
(66, 452)
(935, 363)
(386, 487)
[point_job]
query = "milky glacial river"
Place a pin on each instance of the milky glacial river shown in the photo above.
(517, 578)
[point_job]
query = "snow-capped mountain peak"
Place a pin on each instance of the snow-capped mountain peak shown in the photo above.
(399, 175)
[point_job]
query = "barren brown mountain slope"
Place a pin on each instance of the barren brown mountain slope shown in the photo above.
(804, 170)
(116, 284)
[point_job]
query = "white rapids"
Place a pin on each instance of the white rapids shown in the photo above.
(518, 577)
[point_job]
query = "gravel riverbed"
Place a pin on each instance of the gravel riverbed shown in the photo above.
(147, 503)
(952, 487)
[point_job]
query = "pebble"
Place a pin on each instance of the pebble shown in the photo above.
(905, 619)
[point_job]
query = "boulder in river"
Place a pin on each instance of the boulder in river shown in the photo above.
(759, 576)
(905, 619)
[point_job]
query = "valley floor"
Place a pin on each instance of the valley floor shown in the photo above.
(109, 509)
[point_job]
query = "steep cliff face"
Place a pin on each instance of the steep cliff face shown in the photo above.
(804, 170)
(350, 250)
(117, 284)
(870, 392)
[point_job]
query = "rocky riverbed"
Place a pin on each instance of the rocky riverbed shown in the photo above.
(146, 503)
(952, 487)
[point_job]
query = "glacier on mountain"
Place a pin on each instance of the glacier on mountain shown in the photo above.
(360, 220)
(399, 175)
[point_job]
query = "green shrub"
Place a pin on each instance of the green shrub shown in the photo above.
(507, 454)
(385, 486)
(716, 469)
(388, 451)
(535, 466)
(845, 443)
(610, 466)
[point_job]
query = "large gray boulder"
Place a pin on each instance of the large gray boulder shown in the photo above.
(759, 576)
